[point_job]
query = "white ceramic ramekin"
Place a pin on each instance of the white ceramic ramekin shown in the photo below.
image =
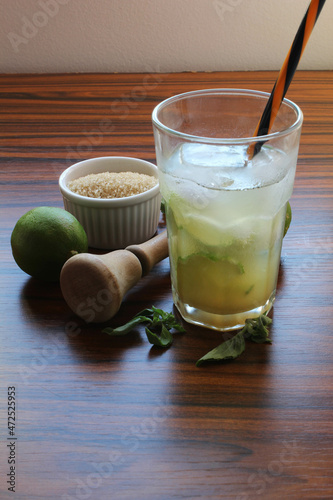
(118, 222)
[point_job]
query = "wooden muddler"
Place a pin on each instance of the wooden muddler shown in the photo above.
(94, 285)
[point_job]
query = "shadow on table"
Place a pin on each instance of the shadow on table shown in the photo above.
(51, 319)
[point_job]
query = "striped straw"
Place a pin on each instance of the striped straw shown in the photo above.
(286, 74)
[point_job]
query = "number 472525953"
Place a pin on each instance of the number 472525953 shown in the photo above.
(11, 410)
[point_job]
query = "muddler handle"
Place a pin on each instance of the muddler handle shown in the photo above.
(150, 252)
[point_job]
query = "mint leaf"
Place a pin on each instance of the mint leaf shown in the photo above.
(147, 312)
(144, 316)
(255, 329)
(230, 349)
(127, 327)
(164, 339)
(169, 320)
(160, 323)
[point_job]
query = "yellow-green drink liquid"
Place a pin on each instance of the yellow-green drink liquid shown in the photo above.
(225, 219)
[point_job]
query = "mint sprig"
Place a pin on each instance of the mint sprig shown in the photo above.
(255, 329)
(159, 324)
(158, 328)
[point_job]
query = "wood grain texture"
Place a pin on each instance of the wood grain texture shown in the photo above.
(101, 417)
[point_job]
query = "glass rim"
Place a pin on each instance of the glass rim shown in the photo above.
(225, 140)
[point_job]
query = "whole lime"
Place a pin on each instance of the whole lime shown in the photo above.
(44, 238)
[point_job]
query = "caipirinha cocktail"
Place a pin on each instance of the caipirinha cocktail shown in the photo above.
(225, 228)
(225, 208)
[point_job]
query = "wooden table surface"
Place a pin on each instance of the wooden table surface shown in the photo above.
(100, 417)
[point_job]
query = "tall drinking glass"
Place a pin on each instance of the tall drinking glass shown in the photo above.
(225, 212)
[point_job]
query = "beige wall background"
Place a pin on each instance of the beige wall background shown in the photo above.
(157, 35)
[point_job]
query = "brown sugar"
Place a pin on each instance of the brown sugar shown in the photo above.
(112, 184)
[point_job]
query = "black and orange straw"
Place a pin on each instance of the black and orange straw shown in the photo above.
(286, 74)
